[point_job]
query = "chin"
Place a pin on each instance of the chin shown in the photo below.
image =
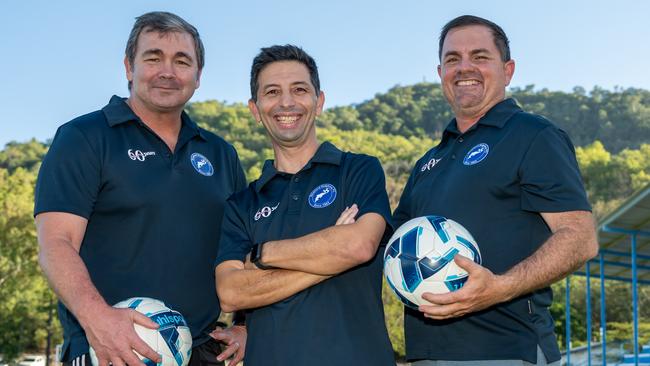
(169, 103)
(468, 102)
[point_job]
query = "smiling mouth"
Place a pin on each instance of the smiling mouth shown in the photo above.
(467, 82)
(287, 121)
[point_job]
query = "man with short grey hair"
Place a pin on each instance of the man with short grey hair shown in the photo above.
(128, 203)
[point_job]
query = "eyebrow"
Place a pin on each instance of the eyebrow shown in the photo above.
(292, 84)
(472, 52)
(158, 52)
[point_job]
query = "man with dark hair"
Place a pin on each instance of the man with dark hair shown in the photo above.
(129, 202)
(299, 247)
(512, 179)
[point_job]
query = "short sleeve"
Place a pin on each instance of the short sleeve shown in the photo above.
(235, 243)
(238, 173)
(403, 211)
(366, 186)
(70, 176)
(549, 175)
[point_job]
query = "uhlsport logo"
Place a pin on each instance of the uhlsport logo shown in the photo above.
(201, 164)
(322, 196)
(139, 155)
(265, 211)
(430, 164)
(168, 319)
(476, 154)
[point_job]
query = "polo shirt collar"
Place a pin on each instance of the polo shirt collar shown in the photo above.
(118, 112)
(497, 116)
(327, 153)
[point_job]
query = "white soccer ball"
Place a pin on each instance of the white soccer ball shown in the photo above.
(419, 258)
(172, 340)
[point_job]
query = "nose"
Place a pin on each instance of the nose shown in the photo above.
(286, 100)
(465, 64)
(166, 70)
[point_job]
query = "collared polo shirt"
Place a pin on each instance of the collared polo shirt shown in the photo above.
(339, 321)
(495, 180)
(154, 215)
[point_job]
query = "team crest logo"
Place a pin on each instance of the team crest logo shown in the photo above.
(201, 164)
(322, 196)
(477, 154)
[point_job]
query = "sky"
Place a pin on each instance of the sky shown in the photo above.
(61, 59)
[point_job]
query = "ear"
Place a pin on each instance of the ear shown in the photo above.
(440, 72)
(198, 78)
(254, 111)
(128, 68)
(509, 67)
(320, 103)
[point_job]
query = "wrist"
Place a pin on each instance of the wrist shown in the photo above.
(508, 286)
(257, 257)
(88, 313)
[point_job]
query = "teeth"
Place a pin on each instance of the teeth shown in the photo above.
(287, 119)
(467, 82)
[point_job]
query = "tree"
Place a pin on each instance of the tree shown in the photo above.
(27, 300)
(27, 155)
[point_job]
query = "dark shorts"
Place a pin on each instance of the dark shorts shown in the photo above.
(203, 355)
(206, 354)
(82, 360)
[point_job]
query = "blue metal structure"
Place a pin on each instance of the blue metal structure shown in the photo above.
(624, 238)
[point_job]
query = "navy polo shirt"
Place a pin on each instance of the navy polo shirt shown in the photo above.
(339, 321)
(494, 179)
(154, 216)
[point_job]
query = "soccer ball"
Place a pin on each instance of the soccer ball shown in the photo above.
(419, 258)
(172, 340)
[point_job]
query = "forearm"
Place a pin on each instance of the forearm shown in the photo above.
(329, 251)
(69, 278)
(565, 251)
(59, 238)
(251, 288)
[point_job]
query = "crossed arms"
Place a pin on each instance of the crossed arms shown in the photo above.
(300, 263)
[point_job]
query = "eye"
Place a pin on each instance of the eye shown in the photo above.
(300, 90)
(152, 59)
(272, 92)
(183, 62)
(451, 60)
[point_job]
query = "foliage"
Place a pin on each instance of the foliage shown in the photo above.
(617, 331)
(27, 302)
(619, 119)
(26, 155)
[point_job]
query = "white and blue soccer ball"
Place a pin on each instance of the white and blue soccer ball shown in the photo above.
(419, 258)
(172, 340)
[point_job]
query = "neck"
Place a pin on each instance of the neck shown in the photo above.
(290, 159)
(464, 124)
(166, 125)
(465, 119)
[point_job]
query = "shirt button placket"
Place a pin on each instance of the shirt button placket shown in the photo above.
(295, 195)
